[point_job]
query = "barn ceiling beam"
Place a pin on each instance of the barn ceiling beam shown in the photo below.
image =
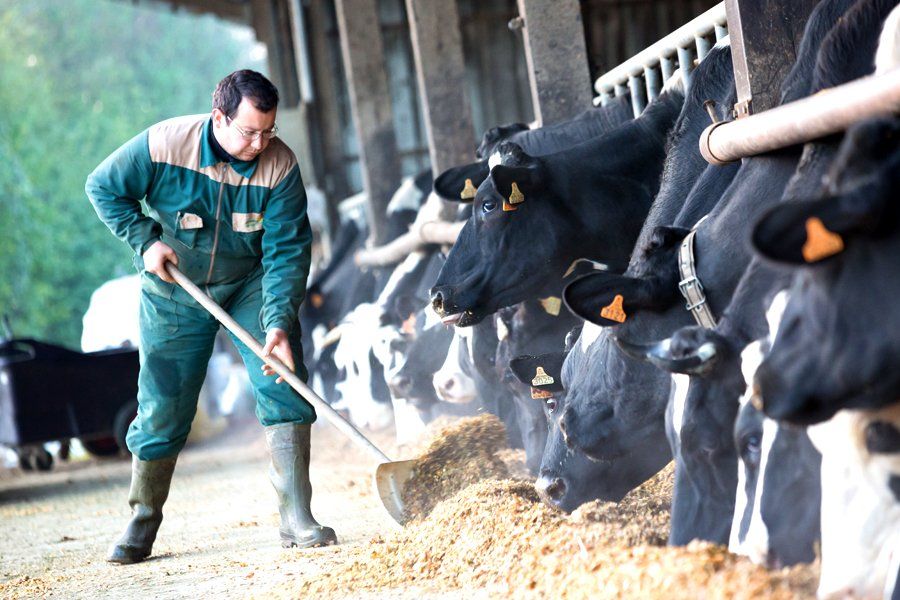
(370, 102)
(557, 58)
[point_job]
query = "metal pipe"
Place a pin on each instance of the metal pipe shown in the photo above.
(683, 36)
(703, 47)
(620, 89)
(686, 64)
(638, 97)
(653, 81)
(721, 31)
(830, 111)
(667, 66)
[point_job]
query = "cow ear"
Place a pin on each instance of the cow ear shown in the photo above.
(460, 183)
(607, 299)
(802, 232)
(540, 372)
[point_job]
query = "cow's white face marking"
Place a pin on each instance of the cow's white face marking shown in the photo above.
(407, 197)
(740, 507)
(860, 516)
(494, 160)
(887, 56)
(450, 382)
(403, 269)
(756, 544)
(680, 385)
(589, 334)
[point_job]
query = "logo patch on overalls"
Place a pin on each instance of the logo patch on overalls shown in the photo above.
(188, 220)
(820, 243)
(246, 222)
(614, 311)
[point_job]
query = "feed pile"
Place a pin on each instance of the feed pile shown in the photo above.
(496, 535)
(459, 455)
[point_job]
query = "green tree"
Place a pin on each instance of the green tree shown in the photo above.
(77, 79)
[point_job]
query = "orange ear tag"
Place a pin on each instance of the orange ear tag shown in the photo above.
(537, 394)
(507, 207)
(820, 243)
(516, 196)
(614, 311)
(409, 325)
(468, 192)
(551, 305)
(316, 300)
(541, 377)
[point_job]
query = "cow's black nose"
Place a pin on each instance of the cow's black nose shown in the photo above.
(400, 385)
(550, 488)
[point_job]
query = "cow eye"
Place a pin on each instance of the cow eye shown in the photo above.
(750, 448)
(488, 206)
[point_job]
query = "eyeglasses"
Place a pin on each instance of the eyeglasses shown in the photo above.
(250, 136)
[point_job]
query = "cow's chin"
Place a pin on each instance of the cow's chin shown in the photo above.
(464, 319)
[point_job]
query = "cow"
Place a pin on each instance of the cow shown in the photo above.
(834, 361)
(776, 518)
(706, 409)
(452, 183)
(533, 216)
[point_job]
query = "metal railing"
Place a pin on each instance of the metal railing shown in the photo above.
(644, 74)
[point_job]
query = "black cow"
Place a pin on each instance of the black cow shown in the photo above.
(535, 215)
(451, 184)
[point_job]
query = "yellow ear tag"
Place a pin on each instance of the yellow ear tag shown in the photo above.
(537, 394)
(551, 305)
(614, 311)
(468, 192)
(820, 243)
(507, 207)
(516, 196)
(541, 377)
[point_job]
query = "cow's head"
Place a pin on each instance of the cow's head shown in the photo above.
(833, 349)
(492, 262)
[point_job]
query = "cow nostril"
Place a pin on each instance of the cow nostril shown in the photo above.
(553, 489)
(450, 384)
(400, 383)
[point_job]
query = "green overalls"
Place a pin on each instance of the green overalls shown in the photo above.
(241, 233)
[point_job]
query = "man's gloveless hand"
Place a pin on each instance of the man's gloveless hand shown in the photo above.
(277, 343)
(155, 258)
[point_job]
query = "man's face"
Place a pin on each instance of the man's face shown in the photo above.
(249, 120)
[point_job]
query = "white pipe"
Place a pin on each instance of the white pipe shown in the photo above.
(827, 112)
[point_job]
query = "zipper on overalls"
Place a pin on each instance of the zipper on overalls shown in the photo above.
(212, 256)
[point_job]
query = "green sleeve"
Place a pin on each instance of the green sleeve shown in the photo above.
(286, 242)
(116, 188)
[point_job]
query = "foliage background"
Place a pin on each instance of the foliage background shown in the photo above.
(77, 79)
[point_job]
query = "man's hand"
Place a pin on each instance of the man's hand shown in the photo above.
(277, 343)
(155, 258)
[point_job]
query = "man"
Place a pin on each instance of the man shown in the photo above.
(227, 205)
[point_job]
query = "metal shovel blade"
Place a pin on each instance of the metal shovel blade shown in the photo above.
(390, 480)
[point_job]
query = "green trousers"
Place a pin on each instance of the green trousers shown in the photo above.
(177, 336)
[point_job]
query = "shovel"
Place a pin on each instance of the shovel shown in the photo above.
(390, 476)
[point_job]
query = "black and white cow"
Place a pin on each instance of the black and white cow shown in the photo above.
(708, 404)
(533, 216)
(835, 357)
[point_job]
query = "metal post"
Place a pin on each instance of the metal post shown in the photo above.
(370, 102)
(764, 35)
(441, 72)
(557, 58)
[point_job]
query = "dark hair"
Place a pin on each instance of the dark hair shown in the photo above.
(244, 84)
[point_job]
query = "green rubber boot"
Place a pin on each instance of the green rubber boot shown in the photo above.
(289, 471)
(150, 480)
